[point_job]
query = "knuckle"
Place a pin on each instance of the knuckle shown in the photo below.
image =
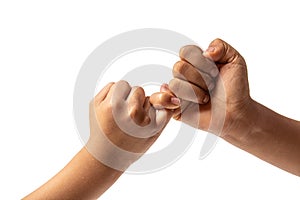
(180, 67)
(183, 50)
(133, 112)
(218, 40)
(123, 83)
(197, 48)
(186, 51)
(140, 90)
(241, 60)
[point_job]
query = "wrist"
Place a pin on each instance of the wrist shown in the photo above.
(110, 155)
(93, 178)
(269, 136)
(242, 123)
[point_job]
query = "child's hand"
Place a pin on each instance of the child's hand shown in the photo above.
(123, 124)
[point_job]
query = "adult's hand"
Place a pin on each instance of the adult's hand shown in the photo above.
(218, 74)
(247, 124)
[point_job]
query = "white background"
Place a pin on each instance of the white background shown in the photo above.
(43, 45)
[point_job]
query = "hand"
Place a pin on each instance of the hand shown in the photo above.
(196, 76)
(124, 125)
(247, 124)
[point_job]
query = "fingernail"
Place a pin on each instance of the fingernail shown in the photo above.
(206, 99)
(214, 72)
(210, 49)
(175, 101)
(165, 85)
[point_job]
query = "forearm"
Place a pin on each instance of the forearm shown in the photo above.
(84, 177)
(271, 137)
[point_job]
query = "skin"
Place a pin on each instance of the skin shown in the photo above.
(86, 176)
(198, 83)
(248, 124)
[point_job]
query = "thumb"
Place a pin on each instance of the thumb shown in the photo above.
(222, 53)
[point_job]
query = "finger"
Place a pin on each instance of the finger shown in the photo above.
(147, 107)
(147, 104)
(194, 55)
(196, 115)
(165, 88)
(136, 109)
(183, 104)
(101, 96)
(164, 100)
(188, 91)
(178, 112)
(221, 52)
(103, 93)
(185, 71)
(120, 91)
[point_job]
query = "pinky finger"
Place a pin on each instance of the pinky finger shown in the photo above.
(164, 100)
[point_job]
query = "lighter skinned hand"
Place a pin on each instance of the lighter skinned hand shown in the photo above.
(123, 123)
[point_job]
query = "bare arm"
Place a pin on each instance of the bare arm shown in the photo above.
(247, 124)
(110, 149)
(83, 177)
(269, 136)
